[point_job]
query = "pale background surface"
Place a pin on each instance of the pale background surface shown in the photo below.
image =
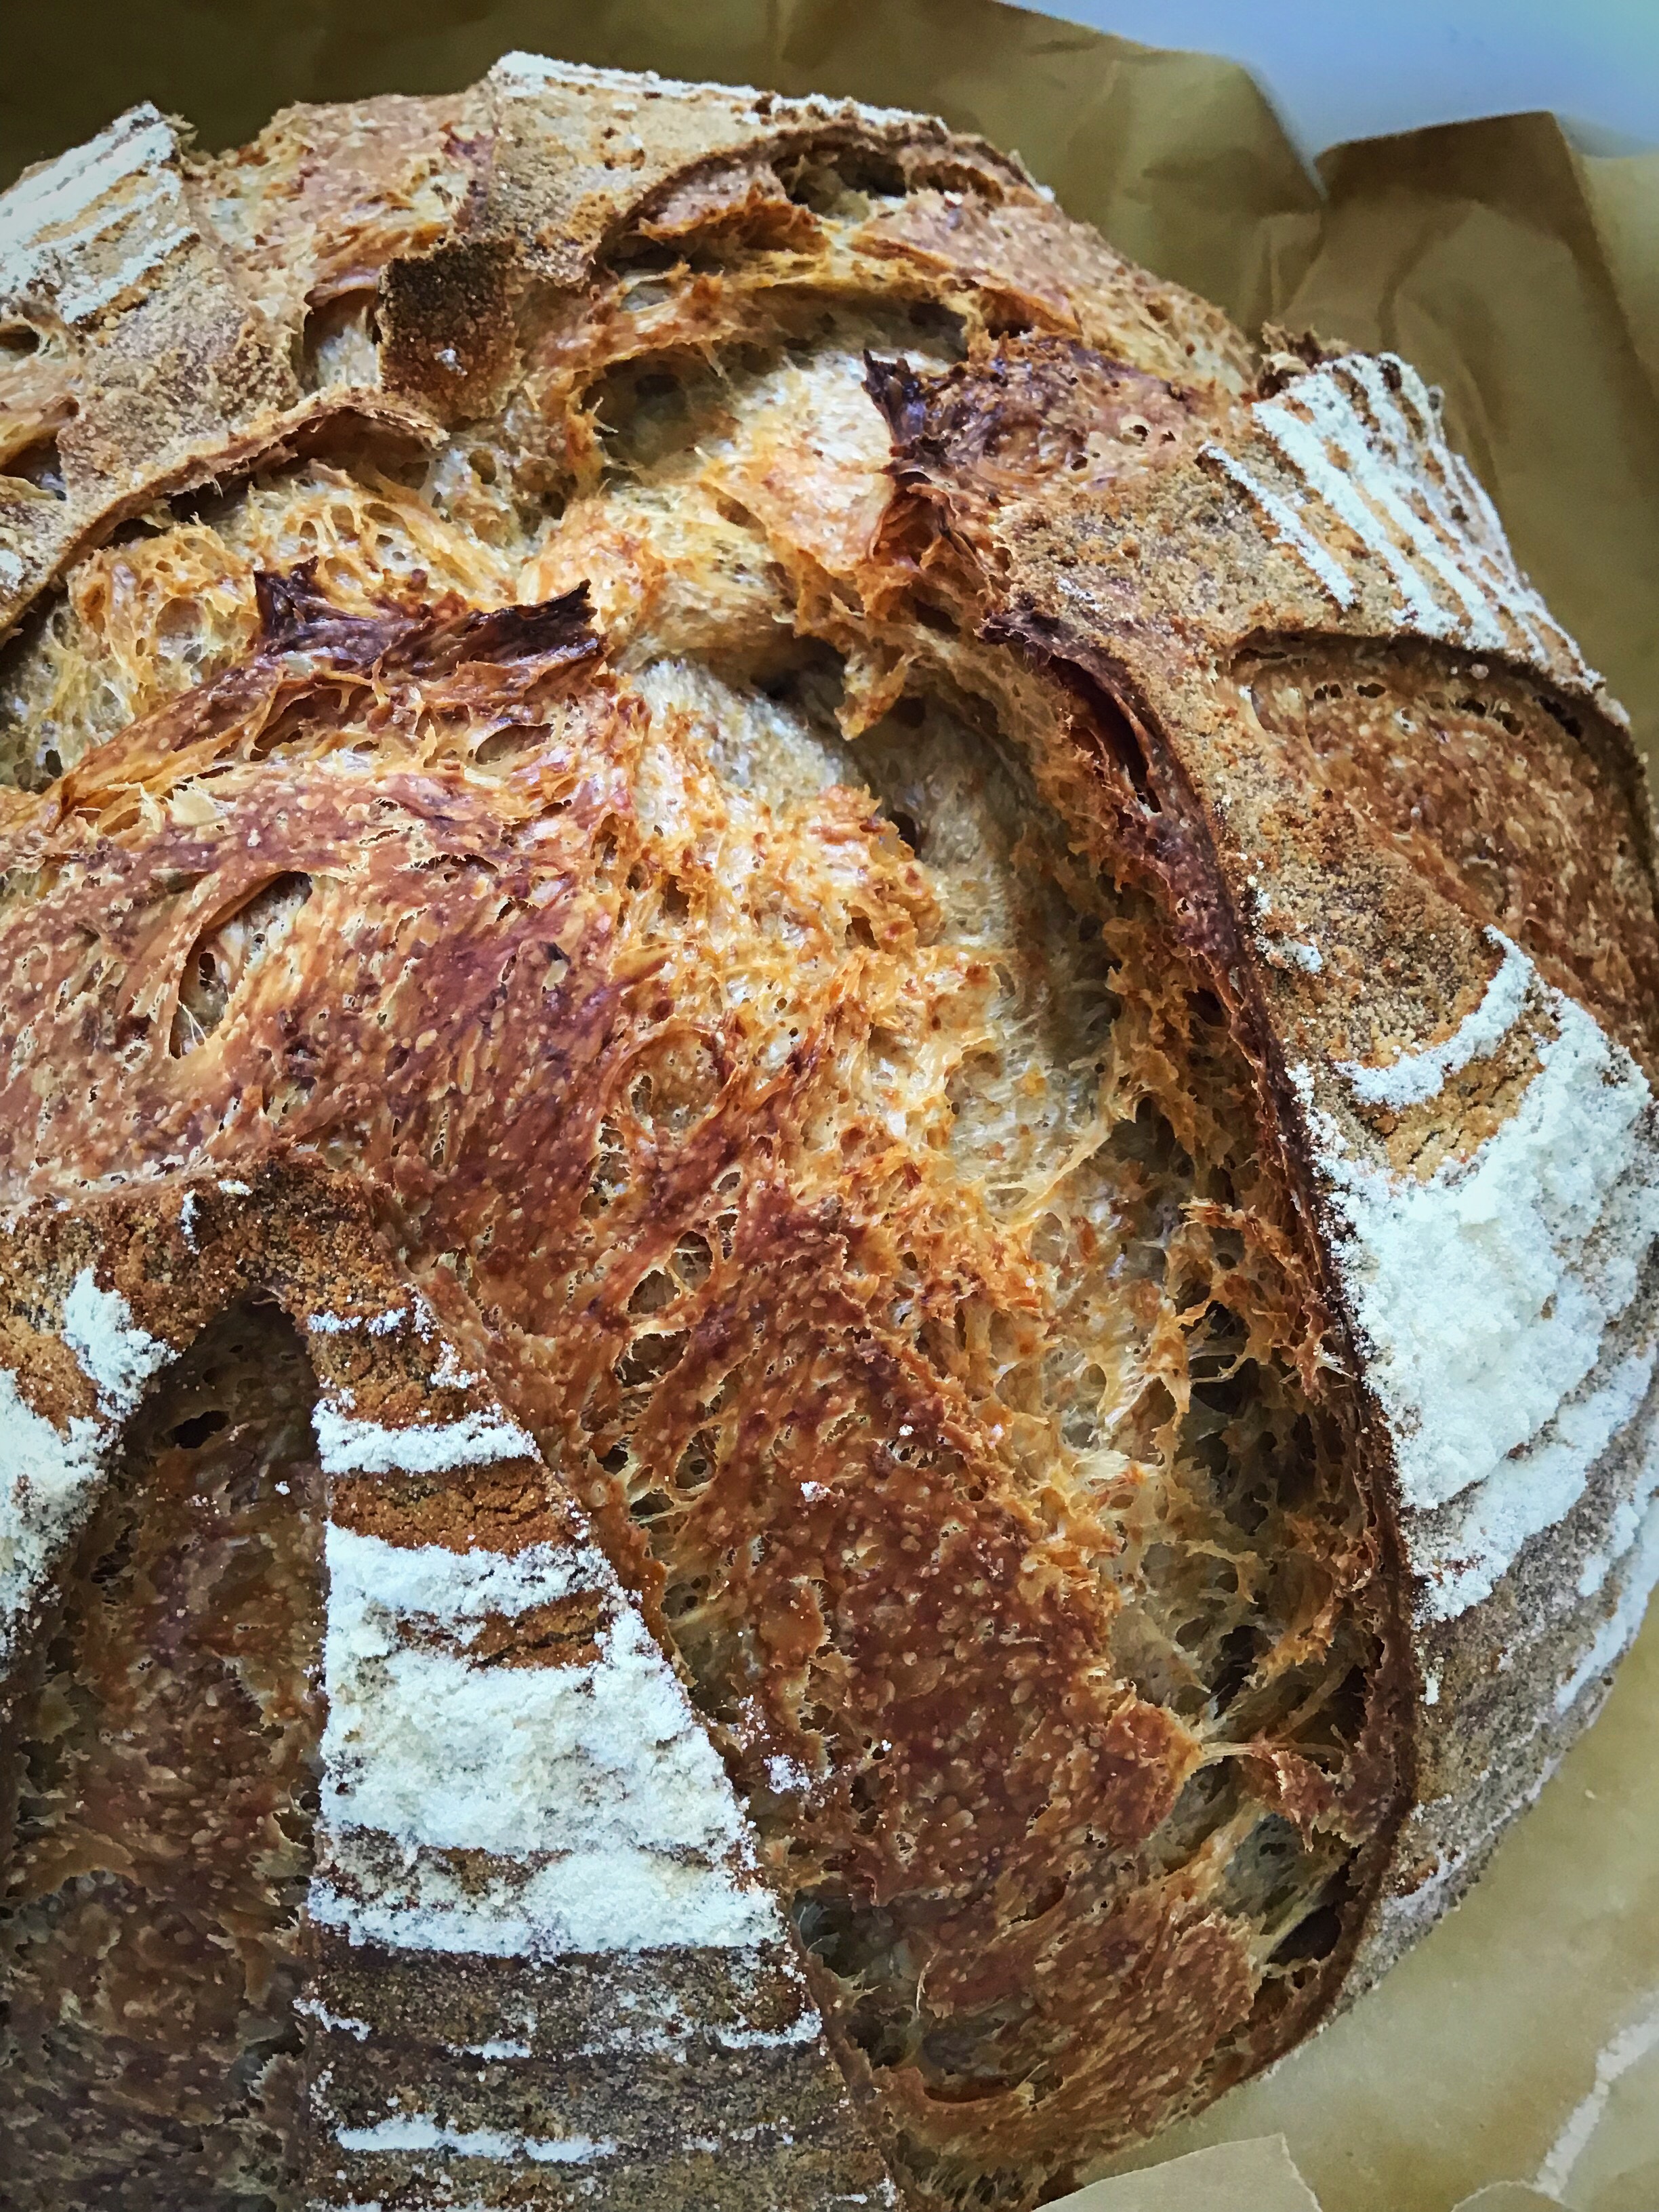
(1356, 69)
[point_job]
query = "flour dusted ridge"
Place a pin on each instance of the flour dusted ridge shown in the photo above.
(460, 1790)
(829, 1289)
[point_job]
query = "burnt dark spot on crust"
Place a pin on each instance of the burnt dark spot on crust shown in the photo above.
(297, 617)
(447, 329)
(1030, 406)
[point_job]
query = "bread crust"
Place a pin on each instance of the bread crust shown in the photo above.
(1201, 569)
(1388, 943)
(422, 1464)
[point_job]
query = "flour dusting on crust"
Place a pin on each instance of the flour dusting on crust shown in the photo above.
(610, 1819)
(349, 1446)
(1361, 435)
(46, 1478)
(48, 1475)
(1416, 1076)
(117, 1358)
(1494, 1295)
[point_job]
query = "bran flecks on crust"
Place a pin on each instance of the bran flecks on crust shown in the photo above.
(926, 921)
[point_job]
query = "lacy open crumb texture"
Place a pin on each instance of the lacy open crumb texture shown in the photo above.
(609, 836)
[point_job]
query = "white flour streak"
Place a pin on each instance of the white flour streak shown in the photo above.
(425, 1746)
(1283, 522)
(1489, 1295)
(46, 1481)
(77, 304)
(1420, 1908)
(669, 2037)
(524, 72)
(1363, 435)
(608, 1815)
(349, 1447)
(69, 185)
(116, 1359)
(1417, 1076)
(450, 1375)
(66, 189)
(1303, 439)
(1618, 1631)
(1307, 956)
(617, 1899)
(376, 1324)
(48, 1476)
(1625, 1524)
(1467, 517)
(55, 228)
(342, 2023)
(460, 1589)
(1381, 454)
(420, 2131)
(1532, 1488)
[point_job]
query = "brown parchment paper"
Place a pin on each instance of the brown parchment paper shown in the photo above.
(1254, 2176)
(1513, 2060)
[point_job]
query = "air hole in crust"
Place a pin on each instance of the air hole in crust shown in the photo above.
(40, 464)
(224, 957)
(192, 1434)
(339, 346)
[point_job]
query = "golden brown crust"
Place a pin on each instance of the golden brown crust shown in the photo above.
(215, 271)
(856, 1046)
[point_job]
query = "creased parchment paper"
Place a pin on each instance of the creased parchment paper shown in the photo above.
(1516, 2053)
(1254, 2176)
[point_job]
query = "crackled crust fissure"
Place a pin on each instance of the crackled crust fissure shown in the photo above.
(1380, 858)
(833, 1039)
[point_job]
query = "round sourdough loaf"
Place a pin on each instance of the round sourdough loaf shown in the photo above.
(827, 1291)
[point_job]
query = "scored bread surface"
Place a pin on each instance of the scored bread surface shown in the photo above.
(827, 1100)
